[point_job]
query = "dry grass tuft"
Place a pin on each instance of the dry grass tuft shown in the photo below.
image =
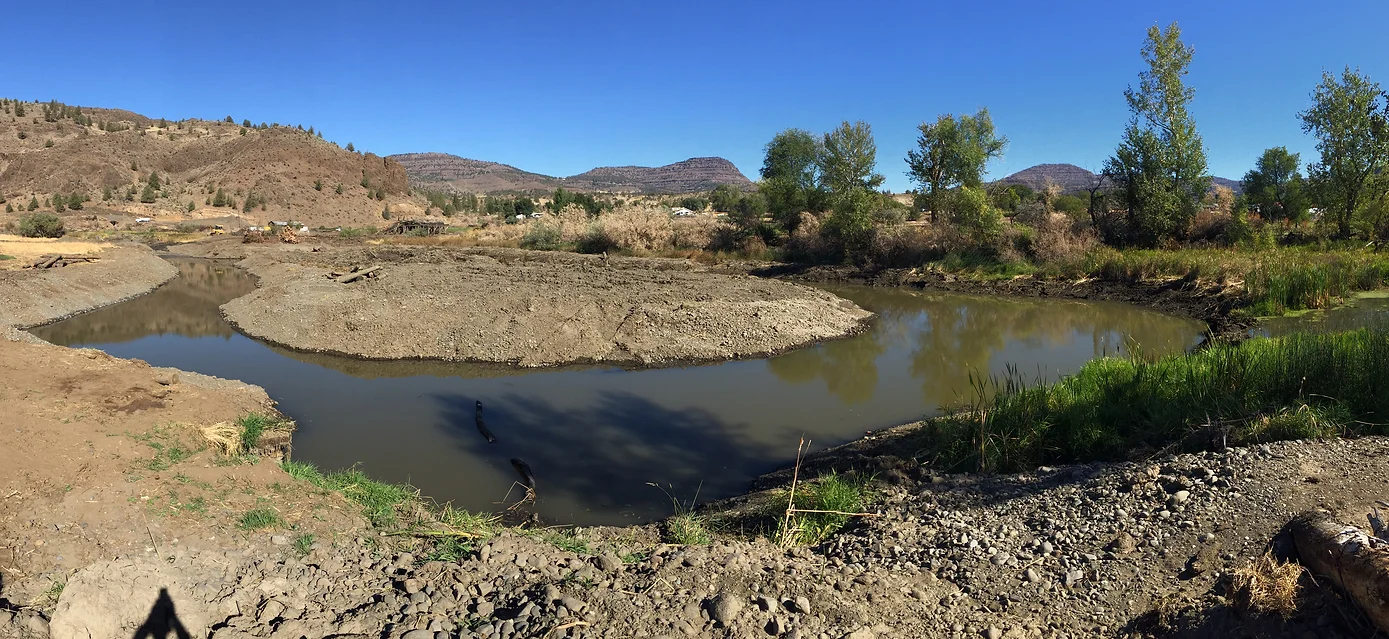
(224, 437)
(642, 229)
(1267, 586)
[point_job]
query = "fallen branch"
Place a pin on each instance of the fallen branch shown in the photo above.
(432, 533)
(356, 275)
(567, 626)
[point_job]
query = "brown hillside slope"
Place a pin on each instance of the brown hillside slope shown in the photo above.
(194, 158)
(442, 171)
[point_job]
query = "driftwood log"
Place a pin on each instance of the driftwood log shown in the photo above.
(356, 274)
(56, 261)
(1356, 562)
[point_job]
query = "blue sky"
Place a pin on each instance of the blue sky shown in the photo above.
(561, 87)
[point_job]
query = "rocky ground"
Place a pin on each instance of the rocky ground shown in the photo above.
(106, 532)
(527, 308)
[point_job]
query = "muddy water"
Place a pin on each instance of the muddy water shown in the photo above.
(594, 437)
(1363, 310)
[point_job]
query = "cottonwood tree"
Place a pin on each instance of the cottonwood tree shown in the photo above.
(848, 163)
(952, 153)
(1350, 118)
(1160, 165)
(1274, 185)
(848, 159)
(791, 176)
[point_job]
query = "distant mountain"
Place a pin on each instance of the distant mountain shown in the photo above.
(1233, 185)
(450, 172)
(1069, 177)
(1072, 178)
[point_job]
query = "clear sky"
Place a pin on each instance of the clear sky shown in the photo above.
(561, 87)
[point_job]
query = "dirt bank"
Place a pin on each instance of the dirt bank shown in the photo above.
(1118, 550)
(32, 297)
(1208, 303)
(528, 308)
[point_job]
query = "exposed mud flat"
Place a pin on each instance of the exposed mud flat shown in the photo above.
(529, 308)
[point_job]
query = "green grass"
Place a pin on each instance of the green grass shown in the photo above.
(4, 257)
(688, 529)
(303, 543)
(260, 518)
(252, 427)
(842, 493)
(1300, 386)
(379, 501)
(566, 540)
(1274, 281)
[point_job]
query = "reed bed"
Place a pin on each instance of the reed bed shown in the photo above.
(1274, 281)
(1300, 386)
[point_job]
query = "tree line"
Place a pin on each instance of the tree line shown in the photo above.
(1148, 194)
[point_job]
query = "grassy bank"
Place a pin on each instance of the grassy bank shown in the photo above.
(1274, 281)
(1301, 386)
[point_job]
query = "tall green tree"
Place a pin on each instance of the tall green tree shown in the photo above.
(1274, 185)
(725, 198)
(952, 153)
(791, 176)
(848, 163)
(1159, 167)
(848, 160)
(1350, 118)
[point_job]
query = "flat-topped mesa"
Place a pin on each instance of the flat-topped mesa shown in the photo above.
(531, 309)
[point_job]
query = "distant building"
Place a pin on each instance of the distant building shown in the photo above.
(681, 211)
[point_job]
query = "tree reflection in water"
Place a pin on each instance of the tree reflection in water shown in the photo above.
(946, 337)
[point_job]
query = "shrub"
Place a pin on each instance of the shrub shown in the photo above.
(543, 237)
(48, 143)
(596, 240)
(695, 232)
(974, 216)
(41, 225)
(338, 190)
(639, 229)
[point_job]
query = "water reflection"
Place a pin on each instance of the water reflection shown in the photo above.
(1360, 312)
(594, 437)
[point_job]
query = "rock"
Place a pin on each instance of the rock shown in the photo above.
(1047, 548)
(1123, 543)
(774, 627)
(1181, 496)
(607, 562)
(998, 559)
(166, 378)
(271, 611)
(993, 633)
(801, 605)
(764, 603)
(1033, 576)
(484, 609)
(279, 540)
(861, 633)
(574, 605)
(418, 634)
(36, 624)
(724, 608)
(1074, 576)
(411, 586)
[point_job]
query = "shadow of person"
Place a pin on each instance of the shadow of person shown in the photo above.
(163, 621)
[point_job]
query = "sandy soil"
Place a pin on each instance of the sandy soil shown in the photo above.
(32, 297)
(21, 251)
(528, 308)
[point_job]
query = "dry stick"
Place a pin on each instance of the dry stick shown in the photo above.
(433, 533)
(567, 626)
(838, 512)
(791, 498)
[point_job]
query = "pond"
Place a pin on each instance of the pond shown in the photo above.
(597, 438)
(1362, 310)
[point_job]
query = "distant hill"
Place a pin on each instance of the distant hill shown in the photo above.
(1072, 178)
(1069, 177)
(442, 171)
(91, 151)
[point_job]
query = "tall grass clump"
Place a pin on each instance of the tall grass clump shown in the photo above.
(830, 501)
(1300, 386)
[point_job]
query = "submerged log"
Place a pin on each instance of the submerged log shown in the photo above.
(357, 274)
(1353, 560)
